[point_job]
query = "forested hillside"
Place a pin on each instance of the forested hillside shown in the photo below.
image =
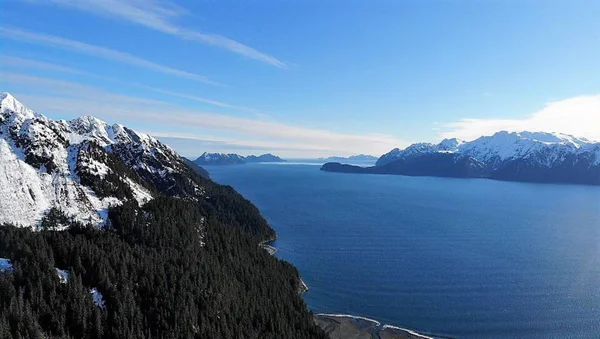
(109, 233)
(171, 269)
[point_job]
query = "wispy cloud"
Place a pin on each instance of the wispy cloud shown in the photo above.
(22, 63)
(72, 90)
(99, 52)
(75, 100)
(18, 62)
(578, 116)
(160, 16)
(286, 146)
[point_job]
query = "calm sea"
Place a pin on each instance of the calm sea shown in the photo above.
(453, 257)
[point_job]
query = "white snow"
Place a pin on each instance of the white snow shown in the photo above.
(24, 193)
(98, 298)
(504, 146)
(63, 276)
(9, 103)
(97, 168)
(210, 157)
(546, 148)
(5, 264)
(141, 194)
(27, 193)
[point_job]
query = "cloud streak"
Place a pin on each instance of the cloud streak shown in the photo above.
(160, 16)
(22, 63)
(75, 100)
(578, 116)
(12, 61)
(99, 52)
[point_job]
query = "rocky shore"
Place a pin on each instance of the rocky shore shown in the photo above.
(341, 326)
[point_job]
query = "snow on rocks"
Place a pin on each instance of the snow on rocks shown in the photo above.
(5, 265)
(40, 159)
(63, 276)
(98, 298)
(547, 149)
(141, 194)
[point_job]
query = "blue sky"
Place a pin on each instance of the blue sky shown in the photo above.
(307, 78)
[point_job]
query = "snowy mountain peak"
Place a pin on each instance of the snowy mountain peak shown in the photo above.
(543, 137)
(80, 167)
(234, 159)
(219, 159)
(450, 144)
(10, 106)
(540, 148)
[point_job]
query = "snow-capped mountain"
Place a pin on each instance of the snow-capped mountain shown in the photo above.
(549, 148)
(358, 157)
(80, 167)
(234, 159)
(524, 156)
(219, 159)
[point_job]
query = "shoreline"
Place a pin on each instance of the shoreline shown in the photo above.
(303, 288)
(347, 326)
(357, 326)
(265, 245)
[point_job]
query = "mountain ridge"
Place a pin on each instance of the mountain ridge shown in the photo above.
(523, 156)
(357, 157)
(234, 159)
(85, 166)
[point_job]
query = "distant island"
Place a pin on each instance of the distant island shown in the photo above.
(234, 159)
(359, 157)
(526, 156)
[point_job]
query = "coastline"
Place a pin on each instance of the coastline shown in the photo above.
(265, 245)
(346, 326)
(303, 288)
(272, 250)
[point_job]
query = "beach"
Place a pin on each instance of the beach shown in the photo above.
(343, 326)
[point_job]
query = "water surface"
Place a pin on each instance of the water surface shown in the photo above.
(468, 258)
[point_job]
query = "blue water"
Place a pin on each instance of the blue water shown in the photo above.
(453, 257)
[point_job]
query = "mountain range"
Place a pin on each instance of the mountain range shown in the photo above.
(358, 157)
(524, 156)
(234, 159)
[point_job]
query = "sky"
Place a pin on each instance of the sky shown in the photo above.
(307, 78)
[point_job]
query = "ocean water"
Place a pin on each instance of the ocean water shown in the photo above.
(465, 258)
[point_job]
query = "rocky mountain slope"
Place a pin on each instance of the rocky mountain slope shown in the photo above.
(84, 166)
(525, 156)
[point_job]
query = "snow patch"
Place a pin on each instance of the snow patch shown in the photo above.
(98, 298)
(5, 265)
(97, 168)
(24, 193)
(140, 194)
(63, 276)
